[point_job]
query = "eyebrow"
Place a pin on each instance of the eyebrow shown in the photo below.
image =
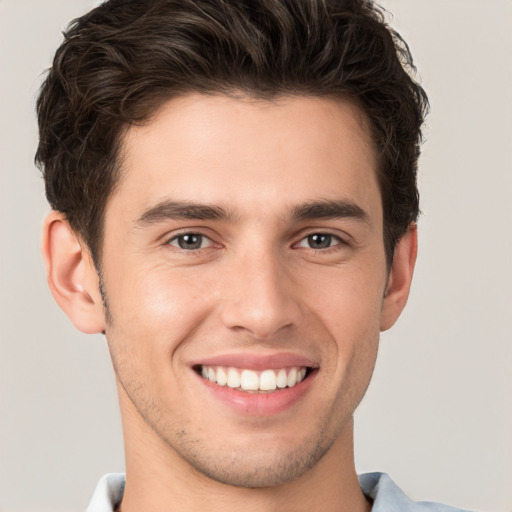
(186, 210)
(330, 210)
(168, 210)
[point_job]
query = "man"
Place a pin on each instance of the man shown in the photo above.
(234, 201)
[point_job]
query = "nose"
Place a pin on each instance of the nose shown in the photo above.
(259, 297)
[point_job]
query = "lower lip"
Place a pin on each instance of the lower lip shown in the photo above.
(259, 404)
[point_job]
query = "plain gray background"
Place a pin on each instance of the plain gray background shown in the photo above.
(438, 414)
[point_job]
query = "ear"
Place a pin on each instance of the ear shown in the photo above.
(400, 277)
(71, 275)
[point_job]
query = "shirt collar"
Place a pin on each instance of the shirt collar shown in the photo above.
(378, 487)
(108, 493)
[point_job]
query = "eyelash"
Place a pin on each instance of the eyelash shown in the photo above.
(182, 236)
(175, 241)
(329, 236)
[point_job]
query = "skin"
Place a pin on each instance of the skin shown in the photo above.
(257, 286)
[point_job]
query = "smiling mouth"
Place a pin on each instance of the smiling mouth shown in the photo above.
(251, 381)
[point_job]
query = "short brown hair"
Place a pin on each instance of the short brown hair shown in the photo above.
(121, 61)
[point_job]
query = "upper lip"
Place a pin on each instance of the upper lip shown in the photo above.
(257, 362)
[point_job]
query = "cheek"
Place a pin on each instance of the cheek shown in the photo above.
(349, 302)
(352, 318)
(348, 307)
(155, 310)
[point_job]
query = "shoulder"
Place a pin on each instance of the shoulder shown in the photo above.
(386, 496)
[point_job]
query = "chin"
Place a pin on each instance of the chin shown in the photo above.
(257, 467)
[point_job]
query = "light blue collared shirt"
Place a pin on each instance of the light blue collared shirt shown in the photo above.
(386, 495)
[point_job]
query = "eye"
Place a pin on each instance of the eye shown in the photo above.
(320, 241)
(190, 241)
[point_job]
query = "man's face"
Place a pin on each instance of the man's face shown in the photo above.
(244, 244)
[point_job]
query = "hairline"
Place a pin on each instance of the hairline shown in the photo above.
(248, 95)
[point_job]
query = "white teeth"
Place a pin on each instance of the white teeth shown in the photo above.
(233, 378)
(268, 380)
(222, 378)
(282, 379)
(292, 377)
(250, 380)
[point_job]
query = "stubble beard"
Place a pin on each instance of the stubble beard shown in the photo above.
(238, 468)
(245, 467)
(254, 469)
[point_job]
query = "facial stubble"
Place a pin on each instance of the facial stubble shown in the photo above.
(239, 468)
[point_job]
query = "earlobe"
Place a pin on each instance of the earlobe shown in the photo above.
(400, 277)
(71, 275)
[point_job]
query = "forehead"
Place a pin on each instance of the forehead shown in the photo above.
(249, 153)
